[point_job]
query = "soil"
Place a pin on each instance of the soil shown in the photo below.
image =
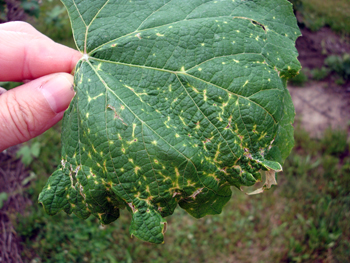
(12, 175)
(314, 47)
(320, 105)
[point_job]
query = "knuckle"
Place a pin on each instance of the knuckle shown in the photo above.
(20, 117)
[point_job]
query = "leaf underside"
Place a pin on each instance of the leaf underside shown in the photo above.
(175, 102)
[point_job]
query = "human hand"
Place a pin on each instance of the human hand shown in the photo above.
(30, 109)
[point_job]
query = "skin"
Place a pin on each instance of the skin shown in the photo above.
(28, 56)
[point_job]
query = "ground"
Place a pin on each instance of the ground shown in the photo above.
(323, 104)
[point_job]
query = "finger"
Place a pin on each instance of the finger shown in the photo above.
(31, 109)
(29, 56)
(2, 90)
(19, 26)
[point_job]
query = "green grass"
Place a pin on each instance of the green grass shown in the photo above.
(304, 219)
(318, 13)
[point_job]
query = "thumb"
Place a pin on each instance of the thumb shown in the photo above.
(30, 109)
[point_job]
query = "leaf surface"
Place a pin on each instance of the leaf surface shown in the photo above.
(175, 102)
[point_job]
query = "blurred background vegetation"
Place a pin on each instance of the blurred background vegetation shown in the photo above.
(304, 219)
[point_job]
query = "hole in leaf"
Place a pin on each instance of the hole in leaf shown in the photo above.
(258, 24)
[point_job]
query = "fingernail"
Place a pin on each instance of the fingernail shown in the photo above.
(58, 91)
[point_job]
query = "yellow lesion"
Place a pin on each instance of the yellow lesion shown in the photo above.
(222, 107)
(93, 148)
(138, 94)
(137, 169)
(116, 115)
(100, 215)
(205, 95)
(190, 183)
(164, 176)
(177, 172)
(214, 176)
(132, 141)
(217, 154)
(105, 166)
(133, 129)
(262, 136)
(183, 121)
(236, 128)
(98, 68)
(166, 122)
(194, 89)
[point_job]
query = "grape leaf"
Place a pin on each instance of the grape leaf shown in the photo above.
(175, 102)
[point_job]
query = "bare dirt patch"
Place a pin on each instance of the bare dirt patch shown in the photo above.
(314, 47)
(318, 108)
(320, 105)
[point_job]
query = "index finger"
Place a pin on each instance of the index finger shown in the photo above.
(26, 54)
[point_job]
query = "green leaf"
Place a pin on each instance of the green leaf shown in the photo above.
(25, 154)
(35, 149)
(3, 198)
(175, 102)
